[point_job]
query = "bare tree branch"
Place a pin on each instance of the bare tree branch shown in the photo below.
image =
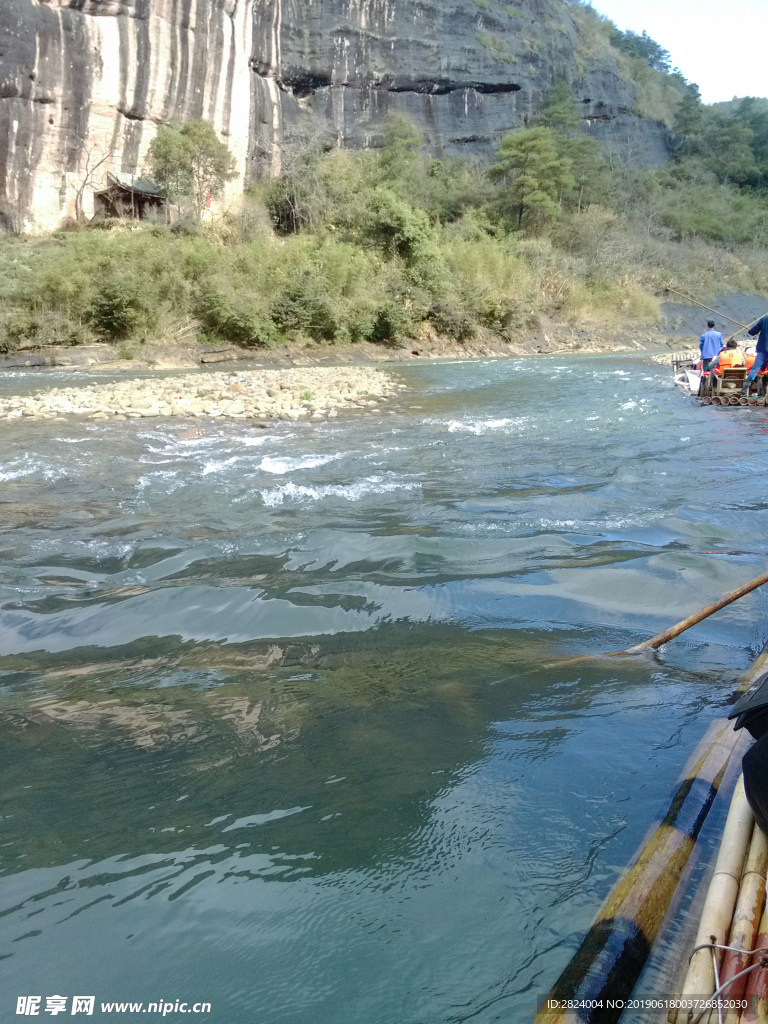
(96, 154)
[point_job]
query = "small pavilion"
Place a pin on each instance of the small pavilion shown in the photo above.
(130, 198)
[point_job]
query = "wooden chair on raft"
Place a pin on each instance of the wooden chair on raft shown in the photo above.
(728, 382)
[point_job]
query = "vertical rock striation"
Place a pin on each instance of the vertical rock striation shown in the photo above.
(86, 82)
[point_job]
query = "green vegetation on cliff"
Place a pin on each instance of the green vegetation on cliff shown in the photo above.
(637, 58)
(376, 245)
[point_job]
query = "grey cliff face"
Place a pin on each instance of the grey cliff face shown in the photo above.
(466, 71)
(86, 82)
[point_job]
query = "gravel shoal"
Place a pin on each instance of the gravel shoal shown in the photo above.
(303, 393)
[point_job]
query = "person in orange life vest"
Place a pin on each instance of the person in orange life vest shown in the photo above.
(731, 355)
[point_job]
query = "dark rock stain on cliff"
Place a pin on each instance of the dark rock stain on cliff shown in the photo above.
(231, 68)
(199, 66)
(173, 76)
(135, 110)
(76, 84)
(183, 55)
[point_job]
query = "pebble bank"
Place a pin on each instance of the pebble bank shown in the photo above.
(308, 393)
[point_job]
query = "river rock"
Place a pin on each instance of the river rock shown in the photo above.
(274, 394)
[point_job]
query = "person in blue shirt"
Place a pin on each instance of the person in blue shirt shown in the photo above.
(761, 351)
(710, 344)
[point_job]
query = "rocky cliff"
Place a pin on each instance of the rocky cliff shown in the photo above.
(85, 83)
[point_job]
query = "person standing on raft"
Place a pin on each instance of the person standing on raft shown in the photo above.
(710, 345)
(761, 352)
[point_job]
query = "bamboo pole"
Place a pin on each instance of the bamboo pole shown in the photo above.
(746, 919)
(742, 327)
(692, 620)
(656, 383)
(717, 312)
(757, 984)
(719, 903)
(673, 631)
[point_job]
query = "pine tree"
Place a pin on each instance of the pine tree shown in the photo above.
(535, 176)
(642, 47)
(755, 117)
(401, 145)
(559, 111)
(689, 116)
(727, 144)
(587, 164)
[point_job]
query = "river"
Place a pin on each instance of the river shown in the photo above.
(277, 728)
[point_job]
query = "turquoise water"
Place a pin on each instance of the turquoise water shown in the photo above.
(277, 727)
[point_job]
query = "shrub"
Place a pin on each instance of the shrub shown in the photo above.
(397, 227)
(368, 245)
(237, 320)
(24, 328)
(502, 315)
(118, 310)
(301, 310)
(451, 322)
(392, 321)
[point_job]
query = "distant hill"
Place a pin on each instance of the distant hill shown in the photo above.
(730, 106)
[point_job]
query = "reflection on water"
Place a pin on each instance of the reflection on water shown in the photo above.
(277, 727)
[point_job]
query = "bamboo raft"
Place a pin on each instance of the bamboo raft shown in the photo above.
(597, 984)
(723, 390)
